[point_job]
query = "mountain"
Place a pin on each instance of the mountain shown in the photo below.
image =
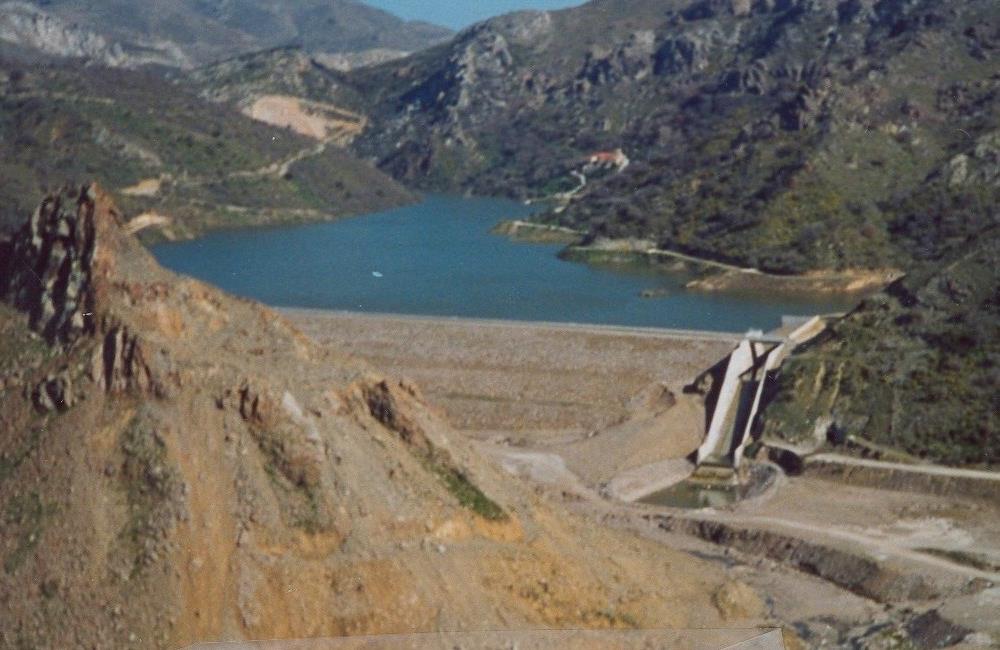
(180, 465)
(785, 135)
(29, 31)
(174, 155)
(184, 33)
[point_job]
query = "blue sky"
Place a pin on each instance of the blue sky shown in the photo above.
(462, 13)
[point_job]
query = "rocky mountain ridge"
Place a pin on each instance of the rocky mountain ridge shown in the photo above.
(29, 28)
(187, 33)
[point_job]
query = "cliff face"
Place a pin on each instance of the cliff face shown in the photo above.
(782, 135)
(179, 465)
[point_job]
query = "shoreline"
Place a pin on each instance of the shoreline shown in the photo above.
(263, 218)
(719, 276)
(729, 277)
(847, 283)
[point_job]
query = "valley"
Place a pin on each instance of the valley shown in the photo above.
(641, 323)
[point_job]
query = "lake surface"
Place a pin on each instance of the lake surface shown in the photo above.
(438, 258)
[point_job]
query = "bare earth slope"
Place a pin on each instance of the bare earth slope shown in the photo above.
(179, 465)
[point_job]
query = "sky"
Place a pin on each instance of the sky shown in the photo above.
(462, 13)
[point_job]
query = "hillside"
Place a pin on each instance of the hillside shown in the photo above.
(170, 153)
(914, 369)
(779, 134)
(286, 74)
(185, 33)
(180, 465)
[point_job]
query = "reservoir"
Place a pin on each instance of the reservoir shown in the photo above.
(438, 258)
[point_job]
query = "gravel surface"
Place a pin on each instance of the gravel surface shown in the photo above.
(542, 380)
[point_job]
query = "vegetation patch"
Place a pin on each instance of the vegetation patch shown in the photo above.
(11, 460)
(302, 505)
(914, 369)
(618, 620)
(466, 492)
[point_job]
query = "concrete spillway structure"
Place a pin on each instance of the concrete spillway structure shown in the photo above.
(734, 404)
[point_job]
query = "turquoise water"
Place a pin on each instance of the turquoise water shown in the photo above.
(438, 258)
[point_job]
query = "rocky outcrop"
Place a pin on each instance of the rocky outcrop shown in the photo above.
(979, 167)
(55, 392)
(399, 407)
(347, 61)
(51, 264)
(286, 436)
(485, 57)
(683, 54)
(803, 111)
(121, 362)
(631, 61)
(58, 274)
(388, 404)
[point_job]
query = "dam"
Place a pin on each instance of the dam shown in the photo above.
(739, 384)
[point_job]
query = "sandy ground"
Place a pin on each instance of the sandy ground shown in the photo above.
(311, 119)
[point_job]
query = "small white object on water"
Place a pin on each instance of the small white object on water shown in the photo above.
(377, 274)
